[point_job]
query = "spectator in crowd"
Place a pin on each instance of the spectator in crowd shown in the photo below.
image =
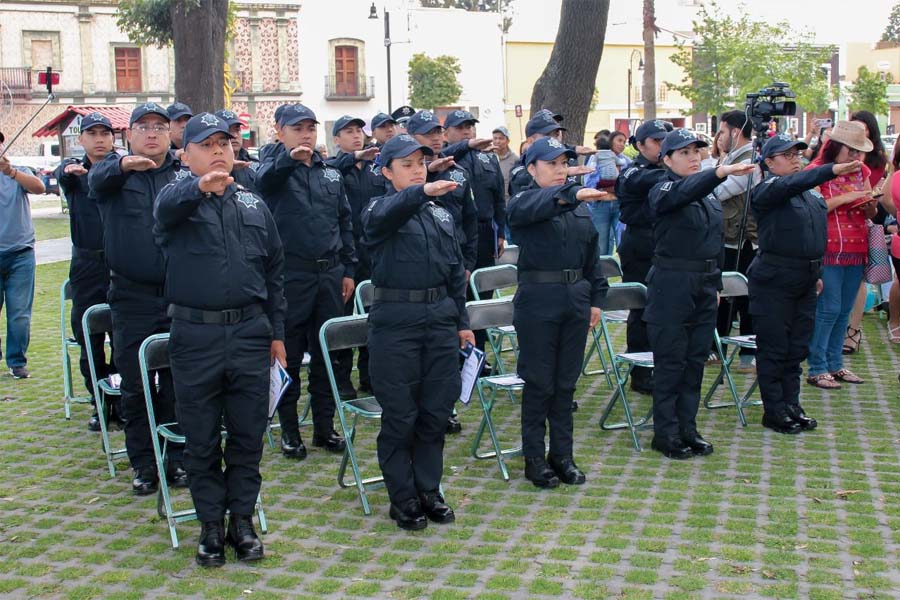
(17, 259)
(850, 203)
(508, 159)
(605, 214)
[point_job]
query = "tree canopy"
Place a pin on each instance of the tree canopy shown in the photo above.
(432, 81)
(892, 29)
(869, 92)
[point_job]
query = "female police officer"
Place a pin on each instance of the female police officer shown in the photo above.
(558, 300)
(683, 284)
(785, 275)
(416, 326)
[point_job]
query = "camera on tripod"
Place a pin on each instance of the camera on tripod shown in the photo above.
(777, 100)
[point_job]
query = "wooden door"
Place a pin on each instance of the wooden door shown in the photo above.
(128, 69)
(346, 71)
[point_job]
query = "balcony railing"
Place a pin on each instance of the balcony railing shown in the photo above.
(358, 88)
(662, 93)
(18, 80)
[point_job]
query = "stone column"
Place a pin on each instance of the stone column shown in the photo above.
(284, 78)
(85, 22)
(256, 54)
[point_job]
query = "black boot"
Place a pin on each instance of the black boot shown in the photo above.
(453, 425)
(435, 508)
(145, 482)
(242, 537)
(797, 413)
(331, 441)
(781, 423)
(292, 446)
(697, 444)
(566, 469)
(538, 472)
(672, 448)
(211, 549)
(94, 421)
(408, 515)
(176, 476)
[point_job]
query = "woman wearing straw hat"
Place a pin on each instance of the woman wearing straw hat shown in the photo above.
(850, 203)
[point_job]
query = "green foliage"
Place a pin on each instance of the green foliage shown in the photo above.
(869, 92)
(732, 57)
(432, 81)
(149, 22)
(892, 29)
(504, 7)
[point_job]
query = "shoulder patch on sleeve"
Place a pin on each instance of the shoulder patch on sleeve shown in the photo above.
(629, 172)
(666, 186)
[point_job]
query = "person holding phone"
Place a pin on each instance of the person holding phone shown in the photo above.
(850, 203)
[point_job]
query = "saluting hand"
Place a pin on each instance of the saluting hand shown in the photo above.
(483, 144)
(590, 195)
(241, 164)
(215, 182)
(585, 150)
(347, 287)
(595, 316)
(277, 352)
(367, 154)
(439, 165)
(736, 169)
(75, 169)
(847, 168)
(439, 188)
(579, 170)
(136, 163)
(466, 337)
(302, 153)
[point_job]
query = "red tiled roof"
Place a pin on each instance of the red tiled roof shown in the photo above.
(117, 116)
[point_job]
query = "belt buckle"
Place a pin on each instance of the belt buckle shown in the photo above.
(570, 275)
(232, 316)
(323, 264)
(431, 295)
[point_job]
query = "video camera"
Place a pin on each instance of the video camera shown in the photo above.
(773, 101)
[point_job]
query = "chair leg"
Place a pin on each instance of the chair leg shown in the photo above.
(629, 423)
(737, 400)
(269, 435)
(104, 432)
(487, 404)
(261, 514)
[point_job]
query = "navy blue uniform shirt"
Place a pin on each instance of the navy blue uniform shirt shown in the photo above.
(687, 217)
(84, 214)
(633, 190)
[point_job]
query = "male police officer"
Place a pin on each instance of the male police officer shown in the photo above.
(125, 188)
(223, 277)
(362, 181)
(88, 275)
(310, 206)
(179, 114)
(244, 171)
(545, 123)
(636, 251)
(401, 116)
(384, 127)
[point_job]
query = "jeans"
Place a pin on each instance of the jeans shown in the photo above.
(605, 216)
(832, 313)
(17, 290)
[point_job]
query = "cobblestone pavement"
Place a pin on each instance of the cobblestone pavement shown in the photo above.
(766, 516)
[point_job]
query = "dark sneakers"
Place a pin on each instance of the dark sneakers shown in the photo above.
(211, 548)
(292, 447)
(242, 537)
(538, 472)
(409, 515)
(566, 469)
(19, 372)
(435, 508)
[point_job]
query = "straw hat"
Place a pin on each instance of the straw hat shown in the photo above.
(852, 134)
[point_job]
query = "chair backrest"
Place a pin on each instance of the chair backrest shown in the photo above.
(609, 266)
(97, 319)
(734, 285)
(493, 278)
(365, 296)
(484, 314)
(625, 296)
(154, 352)
(510, 256)
(344, 333)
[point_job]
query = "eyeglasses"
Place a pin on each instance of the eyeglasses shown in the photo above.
(159, 128)
(853, 151)
(790, 155)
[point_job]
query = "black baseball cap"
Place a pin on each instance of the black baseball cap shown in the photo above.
(346, 121)
(95, 119)
(655, 129)
(547, 148)
(229, 117)
(680, 138)
(423, 122)
(458, 117)
(543, 122)
(148, 108)
(202, 126)
(382, 118)
(291, 114)
(780, 143)
(400, 146)
(178, 110)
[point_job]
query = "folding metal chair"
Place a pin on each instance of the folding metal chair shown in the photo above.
(305, 417)
(365, 296)
(609, 268)
(497, 279)
(97, 319)
(734, 285)
(346, 333)
(153, 355)
(68, 343)
(510, 255)
(625, 296)
(484, 314)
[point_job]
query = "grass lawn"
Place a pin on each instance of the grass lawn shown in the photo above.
(766, 516)
(48, 228)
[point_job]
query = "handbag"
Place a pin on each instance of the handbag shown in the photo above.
(878, 269)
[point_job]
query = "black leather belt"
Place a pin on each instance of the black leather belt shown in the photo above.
(563, 276)
(313, 266)
(230, 316)
(683, 264)
(419, 296)
(127, 284)
(791, 262)
(87, 253)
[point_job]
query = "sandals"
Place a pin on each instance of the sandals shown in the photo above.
(894, 334)
(852, 341)
(824, 381)
(847, 376)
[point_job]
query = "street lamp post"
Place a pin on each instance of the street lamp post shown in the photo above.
(640, 68)
(373, 14)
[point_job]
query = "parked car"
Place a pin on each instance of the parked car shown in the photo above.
(43, 164)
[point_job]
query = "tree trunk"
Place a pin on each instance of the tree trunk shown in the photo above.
(649, 83)
(198, 34)
(567, 84)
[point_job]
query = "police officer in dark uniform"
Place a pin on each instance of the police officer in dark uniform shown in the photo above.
(384, 127)
(310, 206)
(683, 289)
(401, 116)
(244, 171)
(179, 114)
(88, 275)
(784, 277)
(416, 327)
(636, 251)
(223, 277)
(125, 188)
(558, 300)
(362, 181)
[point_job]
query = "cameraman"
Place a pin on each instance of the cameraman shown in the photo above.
(784, 278)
